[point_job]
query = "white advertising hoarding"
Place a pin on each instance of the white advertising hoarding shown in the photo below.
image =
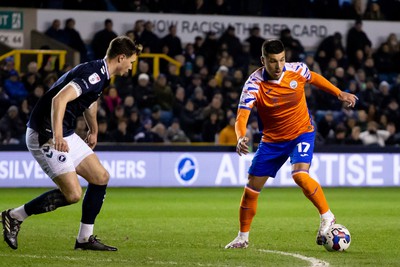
(309, 31)
(209, 169)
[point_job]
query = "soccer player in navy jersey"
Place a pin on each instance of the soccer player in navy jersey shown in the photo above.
(61, 153)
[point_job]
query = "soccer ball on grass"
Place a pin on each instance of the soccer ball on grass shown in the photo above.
(337, 238)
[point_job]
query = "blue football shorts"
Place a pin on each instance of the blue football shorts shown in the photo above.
(270, 157)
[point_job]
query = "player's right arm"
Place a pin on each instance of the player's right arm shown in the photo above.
(240, 129)
(58, 106)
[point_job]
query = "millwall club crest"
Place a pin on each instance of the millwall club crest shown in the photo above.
(293, 84)
(94, 78)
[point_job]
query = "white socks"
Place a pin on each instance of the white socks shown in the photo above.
(327, 215)
(19, 213)
(244, 235)
(85, 231)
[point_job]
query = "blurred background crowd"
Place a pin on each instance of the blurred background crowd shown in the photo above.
(200, 103)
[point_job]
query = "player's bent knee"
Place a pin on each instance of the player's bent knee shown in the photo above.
(74, 197)
(104, 178)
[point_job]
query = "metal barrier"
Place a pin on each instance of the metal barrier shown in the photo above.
(156, 60)
(17, 53)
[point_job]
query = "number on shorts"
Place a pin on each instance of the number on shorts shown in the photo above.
(303, 147)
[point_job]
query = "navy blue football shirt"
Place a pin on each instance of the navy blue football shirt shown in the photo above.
(89, 79)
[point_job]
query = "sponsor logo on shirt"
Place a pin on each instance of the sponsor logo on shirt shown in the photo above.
(94, 78)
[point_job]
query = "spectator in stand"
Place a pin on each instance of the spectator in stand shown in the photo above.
(211, 127)
(293, 45)
(14, 88)
(134, 122)
(216, 107)
(146, 134)
(111, 99)
(312, 64)
(115, 117)
(357, 39)
(374, 12)
(339, 136)
(179, 101)
(102, 38)
(149, 39)
(394, 137)
(4, 102)
(24, 110)
(144, 94)
(189, 53)
(255, 40)
(199, 99)
(198, 45)
(384, 62)
(74, 40)
(327, 125)
(129, 103)
(121, 135)
(190, 121)
(12, 128)
(232, 42)
(373, 136)
(392, 112)
(175, 133)
(34, 96)
(327, 48)
(55, 31)
(355, 9)
(220, 7)
(354, 138)
(210, 48)
(137, 6)
(30, 81)
(243, 59)
(227, 136)
(164, 97)
(138, 29)
(172, 41)
(103, 135)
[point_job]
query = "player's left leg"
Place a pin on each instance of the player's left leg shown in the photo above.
(301, 157)
(97, 176)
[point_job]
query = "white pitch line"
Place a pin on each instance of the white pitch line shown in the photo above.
(66, 258)
(313, 261)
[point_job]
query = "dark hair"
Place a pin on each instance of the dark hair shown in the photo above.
(272, 46)
(123, 45)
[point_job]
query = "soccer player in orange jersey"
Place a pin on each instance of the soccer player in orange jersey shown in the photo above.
(277, 91)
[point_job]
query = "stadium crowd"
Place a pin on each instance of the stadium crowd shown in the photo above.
(199, 105)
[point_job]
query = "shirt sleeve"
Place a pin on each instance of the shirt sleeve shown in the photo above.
(324, 84)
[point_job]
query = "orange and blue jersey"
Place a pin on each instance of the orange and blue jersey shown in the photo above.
(281, 104)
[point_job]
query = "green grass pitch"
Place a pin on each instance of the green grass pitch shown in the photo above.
(191, 226)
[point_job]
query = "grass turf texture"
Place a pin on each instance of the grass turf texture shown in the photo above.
(190, 227)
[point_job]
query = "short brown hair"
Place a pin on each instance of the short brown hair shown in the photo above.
(123, 45)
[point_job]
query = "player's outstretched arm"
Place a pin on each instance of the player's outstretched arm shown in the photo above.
(327, 86)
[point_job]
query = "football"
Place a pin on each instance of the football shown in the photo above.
(338, 238)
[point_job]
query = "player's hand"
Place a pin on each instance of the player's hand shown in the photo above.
(91, 140)
(350, 99)
(60, 144)
(242, 147)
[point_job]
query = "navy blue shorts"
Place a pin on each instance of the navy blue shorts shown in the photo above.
(270, 157)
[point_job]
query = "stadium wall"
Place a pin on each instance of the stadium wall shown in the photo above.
(310, 32)
(214, 167)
